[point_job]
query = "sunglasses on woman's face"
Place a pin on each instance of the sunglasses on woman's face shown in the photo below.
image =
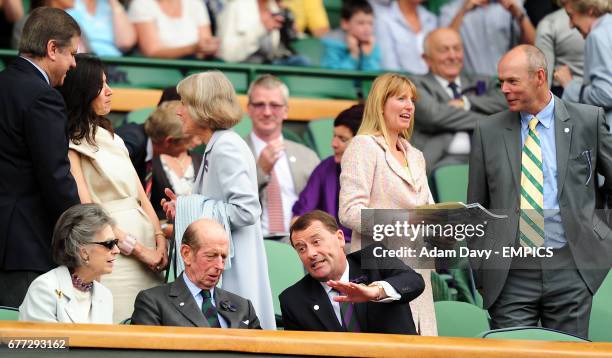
(109, 244)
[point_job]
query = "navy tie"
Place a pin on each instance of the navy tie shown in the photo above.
(453, 86)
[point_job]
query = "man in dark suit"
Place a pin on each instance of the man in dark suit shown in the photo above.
(538, 163)
(334, 296)
(450, 101)
(36, 186)
(193, 300)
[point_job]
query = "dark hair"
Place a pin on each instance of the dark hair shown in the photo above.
(304, 221)
(350, 118)
(351, 7)
(76, 227)
(43, 25)
(81, 86)
(169, 94)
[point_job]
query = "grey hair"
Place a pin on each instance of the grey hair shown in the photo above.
(269, 81)
(535, 60)
(76, 227)
(595, 8)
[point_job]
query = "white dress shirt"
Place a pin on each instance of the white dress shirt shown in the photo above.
(461, 140)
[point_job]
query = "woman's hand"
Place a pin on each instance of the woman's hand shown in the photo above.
(169, 206)
(150, 257)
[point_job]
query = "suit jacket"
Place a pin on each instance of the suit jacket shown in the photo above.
(298, 302)
(36, 186)
(436, 122)
(302, 162)
(50, 298)
(173, 305)
(494, 182)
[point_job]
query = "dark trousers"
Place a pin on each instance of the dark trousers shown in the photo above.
(550, 292)
(14, 286)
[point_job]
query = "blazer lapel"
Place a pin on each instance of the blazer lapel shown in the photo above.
(563, 140)
(361, 309)
(99, 311)
(395, 166)
(184, 302)
(436, 88)
(512, 140)
(232, 318)
(67, 290)
(321, 307)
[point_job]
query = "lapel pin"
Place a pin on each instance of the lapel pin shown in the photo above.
(566, 130)
(316, 307)
(181, 304)
(59, 293)
(292, 159)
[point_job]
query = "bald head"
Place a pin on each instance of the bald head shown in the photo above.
(200, 230)
(443, 53)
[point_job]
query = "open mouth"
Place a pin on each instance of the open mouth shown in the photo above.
(405, 115)
(315, 265)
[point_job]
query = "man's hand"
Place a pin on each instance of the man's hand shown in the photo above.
(470, 4)
(352, 292)
(270, 154)
(457, 103)
(271, 21)
(563, 75)
(512, 7)
(169, 206)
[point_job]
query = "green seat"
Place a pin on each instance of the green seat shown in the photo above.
(139, 116)
(440, 289)
(1, 65)
(450, 183)
(531, 334)
(435, 5)
(333, 8)
(460, 319)
(600, 325)
(310, 47)
(244, 127)
(9, 313)
(146, 77)
(313, 87)
(284, 269)
(320, 134)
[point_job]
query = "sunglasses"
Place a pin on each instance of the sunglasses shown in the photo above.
(109, 244)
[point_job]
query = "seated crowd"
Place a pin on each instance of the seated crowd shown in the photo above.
(104, 213)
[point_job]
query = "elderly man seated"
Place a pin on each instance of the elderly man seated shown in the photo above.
(193, 300)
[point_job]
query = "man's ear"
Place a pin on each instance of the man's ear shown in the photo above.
(52, 49)
(340, 237)
(186, 254)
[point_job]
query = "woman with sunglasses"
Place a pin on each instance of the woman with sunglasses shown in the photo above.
(85, 247)
(101, 166)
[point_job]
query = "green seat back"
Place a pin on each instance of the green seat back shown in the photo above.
(450, 182)
(146, 77)
(435, 5)
(310, 47)
(460, 319)
(313, 87)
(600, 324)
(333, 7)
(9, 313)
(139, 116)
(531, 334)
(284, 268)
(320, 134)
(1, 65)
(244, 127)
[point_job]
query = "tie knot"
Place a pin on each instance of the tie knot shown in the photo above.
(206, 293)
(452, 85)
(533, 123)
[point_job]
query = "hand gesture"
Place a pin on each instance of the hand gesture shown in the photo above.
(512, 7)
(353, 45)
(271, 21)
(270, 154)
(352, 292)
(169, 206)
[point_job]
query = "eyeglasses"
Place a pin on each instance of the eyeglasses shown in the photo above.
(260, 106)
(109, 244)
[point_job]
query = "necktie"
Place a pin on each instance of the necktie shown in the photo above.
(148, 178)
(276, 220)
(531, 223)
(210, 312)
(347, 314)
(453, 86)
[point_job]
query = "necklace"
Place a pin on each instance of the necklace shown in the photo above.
(181, 162)
(80, 285)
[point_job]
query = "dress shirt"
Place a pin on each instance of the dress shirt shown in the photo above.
(461, 140)
(196, 292)
(285, 180)
(554, 235)
(38, 68)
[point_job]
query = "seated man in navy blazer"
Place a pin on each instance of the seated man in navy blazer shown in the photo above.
(193, 300)
(338, 294)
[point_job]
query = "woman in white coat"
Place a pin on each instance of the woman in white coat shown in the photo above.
(85, 248)
(225, 188)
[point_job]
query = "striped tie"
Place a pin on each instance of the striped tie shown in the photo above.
(210, 312)
(531, 223)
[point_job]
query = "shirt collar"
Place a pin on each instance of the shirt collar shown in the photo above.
(343, 278)
(444, 82)
(545, 116)
(193, 289)
(149, 155)
(39, 69)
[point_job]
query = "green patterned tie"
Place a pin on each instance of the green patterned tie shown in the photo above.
(210, 312)
(531, 224)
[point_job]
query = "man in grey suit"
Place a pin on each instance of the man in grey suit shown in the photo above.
(193, 300)
(450, 101)
(541, 159)
(283, 166)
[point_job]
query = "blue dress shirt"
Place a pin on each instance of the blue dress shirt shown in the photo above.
(196, 292)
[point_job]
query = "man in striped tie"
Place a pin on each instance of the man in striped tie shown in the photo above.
(193, 300)
(538, 163)
(338, 294)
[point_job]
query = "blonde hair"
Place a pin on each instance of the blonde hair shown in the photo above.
(594, 8)
(383, 88)
(164, 122)
(211, 100)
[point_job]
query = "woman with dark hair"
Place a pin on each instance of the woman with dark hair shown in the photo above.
(85, 247)
(104, 174)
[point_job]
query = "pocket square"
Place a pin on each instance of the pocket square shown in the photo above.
(246, 322)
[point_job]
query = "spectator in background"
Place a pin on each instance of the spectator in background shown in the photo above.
(85, 248)
(450, 101)
(283, 166)
(352, 47)
(18, 28)
(173, 28)
(36, 185)
(310, 16)
(323, 187)
(106, 26)
(561, 45)
(104, 174)
(11, 11)
(401, 28)
(594, 21)
(488, 29)
(253, 31)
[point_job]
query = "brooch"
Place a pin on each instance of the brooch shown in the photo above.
(59, 293)
(226, 305)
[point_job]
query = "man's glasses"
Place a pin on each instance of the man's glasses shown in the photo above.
(260, 106)
(109, 244)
